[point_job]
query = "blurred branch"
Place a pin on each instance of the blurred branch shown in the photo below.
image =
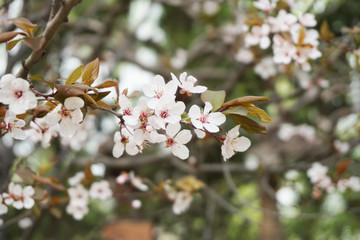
(51, 27)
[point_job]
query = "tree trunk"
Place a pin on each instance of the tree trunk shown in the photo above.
(270, 228)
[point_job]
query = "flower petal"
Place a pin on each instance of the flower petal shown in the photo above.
(118, 149)
(180, 151)
(74, 103)
(183, 136)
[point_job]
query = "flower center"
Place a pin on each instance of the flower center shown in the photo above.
(18, 93)
(127, 112)
(124, 140)
(159, 94)
(164, 114)
(65, 113)
(203, 118)
(170, 142)
(10, 127)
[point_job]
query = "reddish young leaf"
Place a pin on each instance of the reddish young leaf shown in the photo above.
(24, 24)
(10, 45)
(6, 36)
(91, 72)
(36, 43)
(342, 166)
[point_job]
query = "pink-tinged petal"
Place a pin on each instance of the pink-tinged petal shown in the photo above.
(6, 96)
(6, 80)
(67, 128)
(234, 132)
(152, 103)
(227, 152)
(53, 117)
(199, 89)
(118, 150)
(171, 87)
(132, 149)
(197, 123)
(3, 209)
(17, 190)
(131, 120)
(173, 77)
(158, 81)
(265, 42)
(156, 137)
(77, 116)
(241, 144)
(28, 203)
(194, 112)
(200, 134)
(74, 103)
(177, 109)
(173, 119)
(28, 191)
(173, 129)
(211, 127)
(181, 151)
(17, 108)
(183, 136)
(183, 77)
(30, 99)
(20, 84)
(18, 134)
(18, 205)
(8, 201)
(208, 107)
(216, 118)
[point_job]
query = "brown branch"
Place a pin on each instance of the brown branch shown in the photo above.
(51, 27)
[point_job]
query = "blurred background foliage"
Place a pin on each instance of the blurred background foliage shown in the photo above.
(137, 39)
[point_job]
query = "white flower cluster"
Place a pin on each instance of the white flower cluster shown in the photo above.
(160, 111)
(79, 195)
(135, 181)
(18, 197)
(181, 199)
(318, 176)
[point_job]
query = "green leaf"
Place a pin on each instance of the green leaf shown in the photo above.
(248, 124)
(216, 98)
(91, 72)
(237, 110)
(41, 79)
(75, 75)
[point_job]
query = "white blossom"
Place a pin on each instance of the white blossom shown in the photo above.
(136, 204)
(317, 172)
(233, 143)
(186, 83)
(78, 204)
(137, 182)
(124, 141)
(19, 197)
(176, 140)
(182, 202)
(15, 92)
(122, 178)
(205, 119)
(100, 190)
(14, 125)
(265, 5)
(41, 131)
(353, 183)
(258, 36)
(266, 68)
(308, 20)
(129, 115)
(244, 56)
(158, 89)
(69, 115)
(78, 211)
(282, 22)
(76, 179)
(168, 111)
(3, 207)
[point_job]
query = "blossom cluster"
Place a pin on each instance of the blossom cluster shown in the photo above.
(157, 111)
(161, 111)
(80, 196)
(292, 38)
(17, 197)
(318, 175)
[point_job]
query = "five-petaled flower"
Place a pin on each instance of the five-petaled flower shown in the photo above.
(207, 120)
(15, 92)
(19, 197)
(233, 143)
(69, 115)
(100, 190)
(176, 139)
(186, 83)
